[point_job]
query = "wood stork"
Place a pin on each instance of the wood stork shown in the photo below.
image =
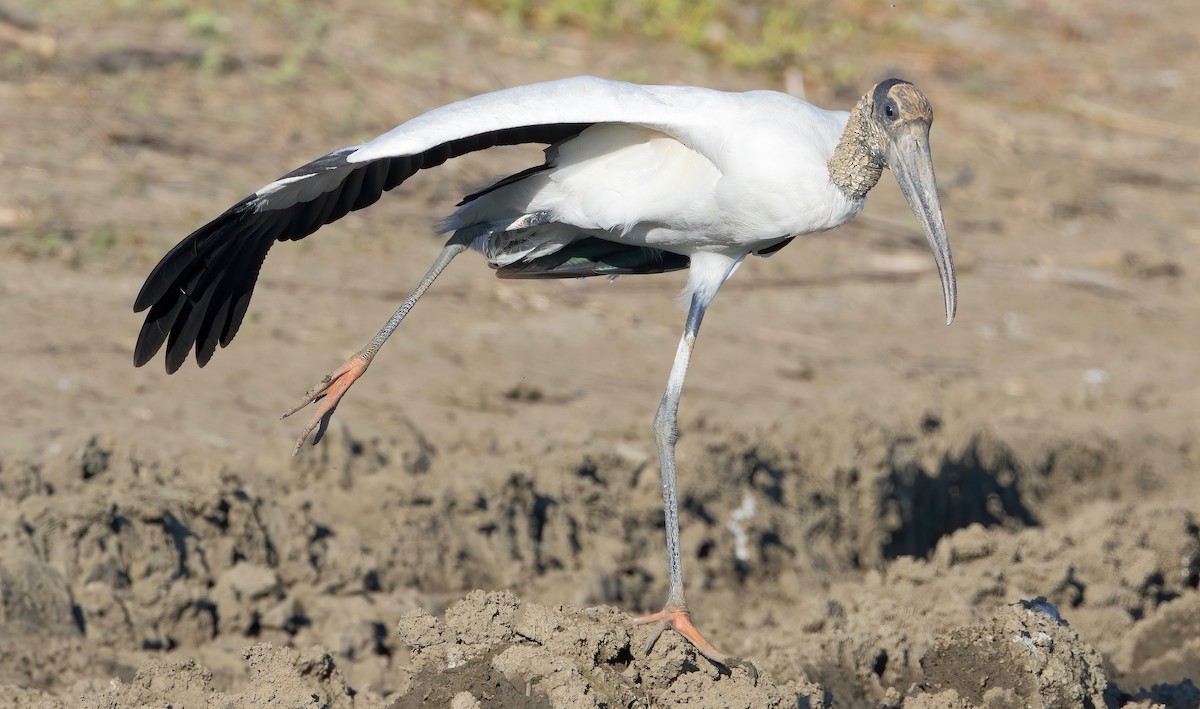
(636, 179)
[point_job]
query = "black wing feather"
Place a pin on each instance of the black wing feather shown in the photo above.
(187, 326)
(198, 293)
(156, 328)
(243, 289)
(515, 177)
(226, 272)
(591, 256)
(774, 247)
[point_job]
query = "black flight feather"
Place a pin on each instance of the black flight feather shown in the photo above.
(198, 293)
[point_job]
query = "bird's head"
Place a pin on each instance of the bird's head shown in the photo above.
(896, 117)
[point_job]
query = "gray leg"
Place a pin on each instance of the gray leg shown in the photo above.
(675, 614)
(449, 251)
(666, 433)
(335, 384)
(456, 245)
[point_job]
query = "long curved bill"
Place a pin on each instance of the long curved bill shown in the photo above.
(912, 163)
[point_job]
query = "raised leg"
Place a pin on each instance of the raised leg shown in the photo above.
(334, 386)
(675, 614)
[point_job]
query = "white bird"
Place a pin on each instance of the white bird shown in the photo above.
(636, 179)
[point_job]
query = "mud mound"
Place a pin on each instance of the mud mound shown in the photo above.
(280, 677)
(491, 648)
(1029, 657)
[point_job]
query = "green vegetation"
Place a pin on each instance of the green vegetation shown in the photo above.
(311, 30)
(745, 33)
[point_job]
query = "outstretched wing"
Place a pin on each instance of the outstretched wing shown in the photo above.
(198, 293)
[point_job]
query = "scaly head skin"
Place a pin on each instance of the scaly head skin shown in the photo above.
(890, 128)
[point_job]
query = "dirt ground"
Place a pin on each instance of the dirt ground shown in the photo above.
(877, 510)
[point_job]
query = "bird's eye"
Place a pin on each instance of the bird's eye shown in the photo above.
(889, 110)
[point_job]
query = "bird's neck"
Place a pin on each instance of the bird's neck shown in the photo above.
(854, 166)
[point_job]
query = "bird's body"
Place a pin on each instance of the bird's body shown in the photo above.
(698, 187)
(636, 179)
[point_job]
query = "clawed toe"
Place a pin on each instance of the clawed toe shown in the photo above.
(681, 622)
(326, 396)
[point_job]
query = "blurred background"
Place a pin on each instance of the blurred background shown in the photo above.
(502, 439)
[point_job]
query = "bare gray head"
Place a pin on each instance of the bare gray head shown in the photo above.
(890, 128)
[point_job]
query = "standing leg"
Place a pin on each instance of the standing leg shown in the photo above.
(335, 384)
(675, 614)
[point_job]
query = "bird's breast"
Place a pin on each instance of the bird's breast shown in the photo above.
(775, 179)
(795, 204)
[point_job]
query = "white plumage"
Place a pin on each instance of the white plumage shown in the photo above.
(636, 179)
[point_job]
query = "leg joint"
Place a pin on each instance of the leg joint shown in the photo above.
(666, 424)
